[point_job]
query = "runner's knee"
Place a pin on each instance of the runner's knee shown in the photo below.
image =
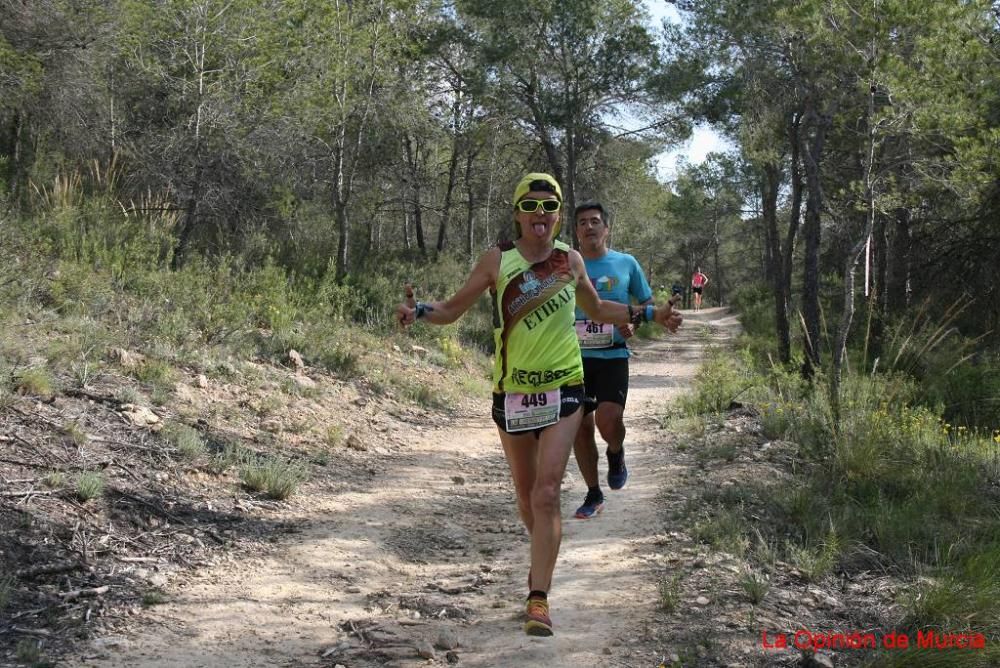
(545, 498)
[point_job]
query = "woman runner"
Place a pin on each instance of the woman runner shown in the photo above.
(536, 281)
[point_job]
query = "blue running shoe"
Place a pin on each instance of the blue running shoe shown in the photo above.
(617, 471)
(593, 504)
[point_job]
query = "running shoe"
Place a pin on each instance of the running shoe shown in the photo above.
(593, 504)
(617, 471)
(538, 622)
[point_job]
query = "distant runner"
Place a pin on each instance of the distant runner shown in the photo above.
(536, 282)
(698, 283)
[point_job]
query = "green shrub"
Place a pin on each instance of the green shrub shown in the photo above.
(187, 440)
(277, 477)
(724, 531)
(670, 593)
(231, 454)
(153, 597)
(755, 585)
(720, 381)
(815, 560)
(155, 372)
(7, 398)
(55, 479)
(89, 485)
(7, 583)
(29, 653)
(35, 382)
(334, 435)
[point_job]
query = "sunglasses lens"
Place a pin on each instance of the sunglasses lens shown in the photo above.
(531, 205)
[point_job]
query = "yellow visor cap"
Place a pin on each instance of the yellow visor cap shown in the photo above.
(524, 187)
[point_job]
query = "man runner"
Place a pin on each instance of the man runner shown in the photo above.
(617, 277)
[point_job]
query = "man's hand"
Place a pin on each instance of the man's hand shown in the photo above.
(668, 317)
(626, 330)
(406, 313)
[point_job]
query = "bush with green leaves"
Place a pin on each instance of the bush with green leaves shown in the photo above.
(7, 583)
(89, 485)
(187, 440)
(276, 476)
(36, 382)
(720, 381)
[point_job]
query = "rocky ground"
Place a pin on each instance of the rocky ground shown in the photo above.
(404, 547)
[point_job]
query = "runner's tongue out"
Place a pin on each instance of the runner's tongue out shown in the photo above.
(541, 229)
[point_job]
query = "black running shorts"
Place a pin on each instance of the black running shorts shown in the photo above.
(571, 397)
(605, 380)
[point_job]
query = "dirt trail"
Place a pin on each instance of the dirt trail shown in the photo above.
(433, 544)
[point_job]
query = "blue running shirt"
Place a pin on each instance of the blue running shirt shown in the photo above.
(619, 278)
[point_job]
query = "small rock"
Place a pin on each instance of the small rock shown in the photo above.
(108, 642)
(702, 600)
(447, 639)
(201, 380)
(807, 601)
(458, 480)
(419, 351)
(140, 416)
(304, 381)
(452, 657)
(158, 579)
(424, 650)
(355, 443)
(397, 348)
(607, 651)
(126, 359)
(831, 602)
(817, 660)
(296, 359)
(674, 658)
(700, 563)
(353, 590)
(361, 401)
(184, 393)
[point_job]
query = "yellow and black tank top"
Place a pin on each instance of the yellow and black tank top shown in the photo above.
(533, 315)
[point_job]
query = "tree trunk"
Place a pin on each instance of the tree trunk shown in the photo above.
(770, 185)
(812, 159)
(898, 274)
(411, 153)
(340, 210)
(470, 220)
(569, 187)
(456, 146)
(840, 349)
(877, 300)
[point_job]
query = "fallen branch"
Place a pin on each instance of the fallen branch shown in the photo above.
(170, 516)
(47, 569)
(32, 492)
(83, 394)
(77, 593)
